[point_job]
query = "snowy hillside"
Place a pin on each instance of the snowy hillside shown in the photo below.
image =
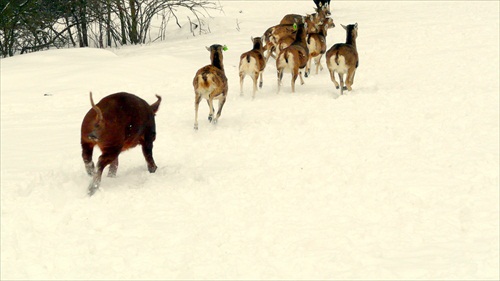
(398, 179)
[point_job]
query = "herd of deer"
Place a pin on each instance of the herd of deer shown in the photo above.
(121, 121)
(295, 42)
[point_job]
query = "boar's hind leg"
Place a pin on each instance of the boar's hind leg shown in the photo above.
(113, 167)
(87, 150)
(106, 158)
(147, 150)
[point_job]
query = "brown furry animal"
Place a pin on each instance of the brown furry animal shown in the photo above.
(343, 59)
(252, 63)
(118, 122)
(210, 82)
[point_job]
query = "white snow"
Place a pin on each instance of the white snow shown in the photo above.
(398, 179)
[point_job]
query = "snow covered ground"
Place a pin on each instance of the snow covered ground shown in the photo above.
(398, 179)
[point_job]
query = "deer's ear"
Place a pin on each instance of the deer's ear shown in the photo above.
(208, 48)
(344, 26)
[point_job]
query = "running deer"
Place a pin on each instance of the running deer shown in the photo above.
(316, 43)
(343, 59)
(293, 58)
(286, 31)
(252, 63)
(283, 34)
(210, 82)
(286, 41)
(274, 34)
(118, 122)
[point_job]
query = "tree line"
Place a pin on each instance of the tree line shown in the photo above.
(33, 25)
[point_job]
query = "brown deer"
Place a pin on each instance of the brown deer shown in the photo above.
(252, 63)
(343, 59)
(274, 34)
(283, 34)
(316, 43)
(118, 122)
(310, 19)
(210, 82)
(293, 58)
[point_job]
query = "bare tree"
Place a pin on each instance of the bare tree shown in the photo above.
(32, 25)
(141, 13)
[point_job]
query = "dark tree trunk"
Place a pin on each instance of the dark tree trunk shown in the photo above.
(108, 24)
(123, 23)
(134, 39)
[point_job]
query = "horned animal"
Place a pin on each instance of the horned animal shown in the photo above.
(252, 63)
(322, 4)
(210, 82)
(343, 59)
(118, 122)
(293, 58)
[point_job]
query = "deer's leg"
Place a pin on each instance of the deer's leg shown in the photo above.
(317, 60)
(222, 101)
(350, 78)
(308, 67)
(255, 78)
(269, 49)
(300, 76)
(274, 52)
(332, 76)
(294, 77)
(210, 102)
(261, 81)
(242, 77)
(267, 55)
(280, 76)
(197, 100)
(87, 150)
(341, 79)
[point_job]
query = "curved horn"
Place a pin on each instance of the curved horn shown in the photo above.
(97, 109)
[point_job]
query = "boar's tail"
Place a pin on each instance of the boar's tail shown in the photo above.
(155, 106)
